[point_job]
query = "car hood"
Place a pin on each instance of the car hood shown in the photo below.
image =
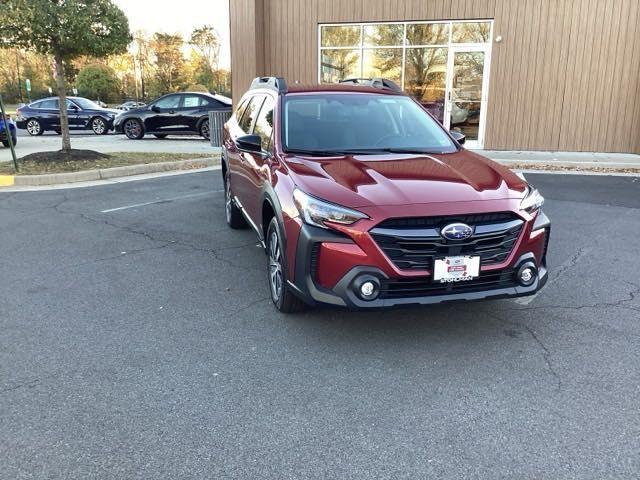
(377, 180)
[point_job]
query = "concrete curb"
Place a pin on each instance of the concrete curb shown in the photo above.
(105, 173)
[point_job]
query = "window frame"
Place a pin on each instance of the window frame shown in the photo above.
(404, 46)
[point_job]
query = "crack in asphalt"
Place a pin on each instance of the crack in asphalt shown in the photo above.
(618, 304)
(546, 353)
(148, 235)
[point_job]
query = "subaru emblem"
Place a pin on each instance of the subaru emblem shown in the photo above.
(456, 231)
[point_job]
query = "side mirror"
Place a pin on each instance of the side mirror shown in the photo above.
(458, 136)
(74, 108)
(155, 109)
(250, 143)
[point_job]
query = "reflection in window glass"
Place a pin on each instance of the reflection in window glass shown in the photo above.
(264, 123)
(428, 34)
(471, 32)
(250, 113)
(382, 62)
(386, 34)
(466, 95)
(425, 78)
(341, 36)
(339, 64)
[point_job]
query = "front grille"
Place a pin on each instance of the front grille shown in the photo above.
(414, 243)
(424, 286)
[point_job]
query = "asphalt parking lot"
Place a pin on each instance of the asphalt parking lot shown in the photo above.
(85, 140)
(140, 342)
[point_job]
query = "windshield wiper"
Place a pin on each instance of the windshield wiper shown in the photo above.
(407, 150)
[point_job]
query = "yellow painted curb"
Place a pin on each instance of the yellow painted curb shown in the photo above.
(6, 180)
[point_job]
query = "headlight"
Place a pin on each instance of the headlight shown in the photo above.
(315, 211)
(532, 200)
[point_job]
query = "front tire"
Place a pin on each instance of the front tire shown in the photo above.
(99, 126)
(34, 128)
(232, 213)
(281, 294)
(133, 129)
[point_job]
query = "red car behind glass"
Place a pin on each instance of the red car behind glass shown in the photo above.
(361, 199)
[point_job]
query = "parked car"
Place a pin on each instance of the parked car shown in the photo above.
(43, 115)
(184, 113)
(129, 105)
(8, 125)
(361, 199)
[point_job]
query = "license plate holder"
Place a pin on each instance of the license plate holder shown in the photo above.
(453, 269)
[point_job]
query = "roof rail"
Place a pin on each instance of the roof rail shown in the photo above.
(374, 82)
(278, 84)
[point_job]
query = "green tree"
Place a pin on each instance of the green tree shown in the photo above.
(64, 29)
(98, 82)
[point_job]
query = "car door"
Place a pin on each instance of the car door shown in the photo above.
(256, 164)
(163, 114)
(191, 111)
(237, 159)
(49, 114)
(77, 117)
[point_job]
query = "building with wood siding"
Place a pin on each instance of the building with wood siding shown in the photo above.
(512, 75)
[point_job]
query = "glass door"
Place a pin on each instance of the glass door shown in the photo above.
(467, 92)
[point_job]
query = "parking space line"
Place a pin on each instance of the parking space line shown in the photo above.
(163, 200)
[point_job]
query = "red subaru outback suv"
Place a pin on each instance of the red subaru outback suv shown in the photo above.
(362, 199)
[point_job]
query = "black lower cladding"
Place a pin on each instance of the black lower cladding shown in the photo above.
(423, 286)
(413, 243)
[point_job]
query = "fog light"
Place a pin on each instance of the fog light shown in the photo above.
(367, 289)
(527, 274)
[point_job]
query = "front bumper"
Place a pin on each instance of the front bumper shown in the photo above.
(319, 250)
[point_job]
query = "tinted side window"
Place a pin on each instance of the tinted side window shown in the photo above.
(250, 113)
(172, 101)
(193, 101)
(49, 104)
(240, 109)
(264, 123)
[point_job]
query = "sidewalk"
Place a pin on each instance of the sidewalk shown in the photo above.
(563, 159)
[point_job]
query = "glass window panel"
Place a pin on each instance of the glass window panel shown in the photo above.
(428, 34)
(471, 32)
(425, 78)
(339, 64)
(466, 93)
(264, 123)
(383, 62)
(341, 36)
(383, 35)
(250, 113)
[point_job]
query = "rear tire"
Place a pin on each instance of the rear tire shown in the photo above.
(133, 129)
(204, 129)
(281, 295)
(34, 127)
(233, 214)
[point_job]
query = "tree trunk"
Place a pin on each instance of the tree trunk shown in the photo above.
(62, 97)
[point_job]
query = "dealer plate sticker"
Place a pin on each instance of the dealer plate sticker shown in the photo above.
(456, 269)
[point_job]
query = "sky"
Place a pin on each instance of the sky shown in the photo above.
(180, 16)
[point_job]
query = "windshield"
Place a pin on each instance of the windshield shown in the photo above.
(360, 123)
(84, 103)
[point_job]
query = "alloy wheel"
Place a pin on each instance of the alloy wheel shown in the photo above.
(227, 200)
(204, 129)
(132, 129)
(33, 127)
(98, 126)
(275, 267)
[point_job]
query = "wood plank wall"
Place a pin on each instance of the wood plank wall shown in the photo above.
(566, 75)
